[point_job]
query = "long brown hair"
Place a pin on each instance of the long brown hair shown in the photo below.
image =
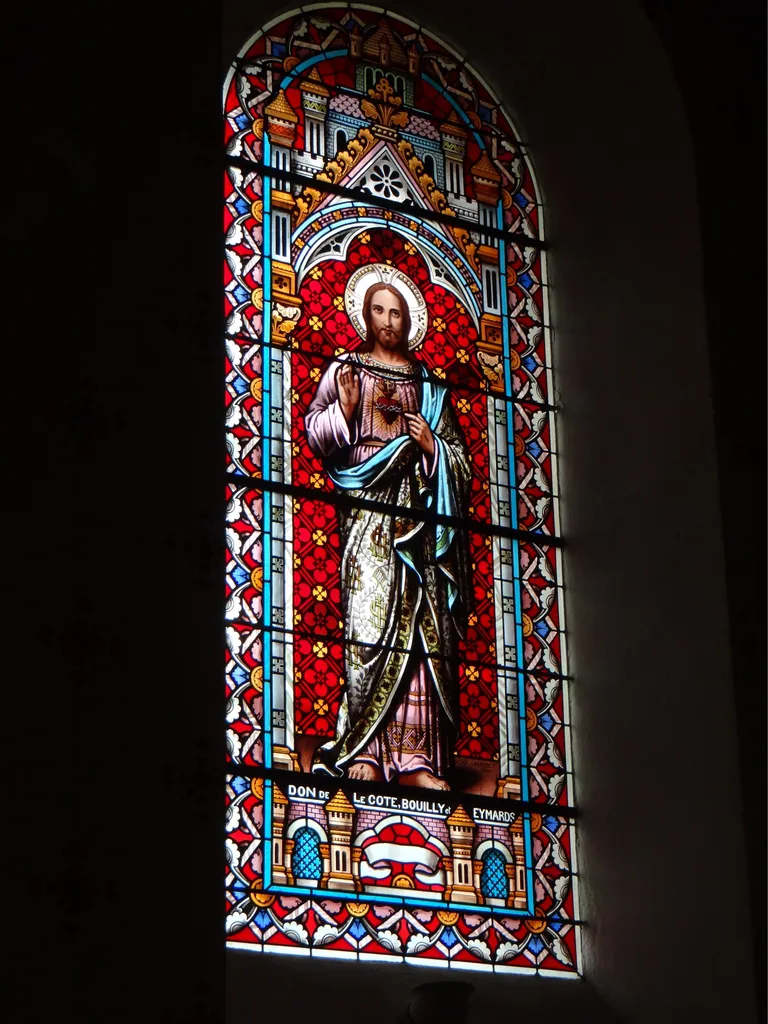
(370, 340)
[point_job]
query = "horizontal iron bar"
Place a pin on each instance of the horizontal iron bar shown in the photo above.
(455, 389)
(407, 209)
(284, 777)
(340, 499)
(289, 635)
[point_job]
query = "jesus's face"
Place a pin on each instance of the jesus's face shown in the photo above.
(387, 320)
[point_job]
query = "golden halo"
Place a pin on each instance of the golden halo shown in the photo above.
(382, 273)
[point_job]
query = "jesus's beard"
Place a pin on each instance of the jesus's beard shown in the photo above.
(392, 341)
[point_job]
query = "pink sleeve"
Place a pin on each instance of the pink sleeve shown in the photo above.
(326, 426)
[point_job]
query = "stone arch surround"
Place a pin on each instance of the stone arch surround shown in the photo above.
(607, 130)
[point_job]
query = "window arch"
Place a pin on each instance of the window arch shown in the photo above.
(493, 877)
(307, 859)
(324, 419)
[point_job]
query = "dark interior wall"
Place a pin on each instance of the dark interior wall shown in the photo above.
(114, 651)
(719, 65)
(656, 748)
(117, 727)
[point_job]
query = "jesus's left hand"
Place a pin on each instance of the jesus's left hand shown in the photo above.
(419, 430)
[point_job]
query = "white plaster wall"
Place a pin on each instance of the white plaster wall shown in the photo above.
(661, 844)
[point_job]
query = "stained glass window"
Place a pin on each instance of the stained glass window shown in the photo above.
(399, 780)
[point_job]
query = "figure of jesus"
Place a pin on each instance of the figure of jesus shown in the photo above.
(387, 433)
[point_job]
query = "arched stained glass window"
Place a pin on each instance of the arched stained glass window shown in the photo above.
(395, 656)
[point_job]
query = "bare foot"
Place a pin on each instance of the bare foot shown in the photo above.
(424, 779)
(364, 772)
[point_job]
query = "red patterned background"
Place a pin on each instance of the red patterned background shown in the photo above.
(449, 352)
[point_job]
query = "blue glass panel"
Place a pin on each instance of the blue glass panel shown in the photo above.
(307, 862)
(493, 879)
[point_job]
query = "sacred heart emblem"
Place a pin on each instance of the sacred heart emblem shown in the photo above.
(390, 408)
